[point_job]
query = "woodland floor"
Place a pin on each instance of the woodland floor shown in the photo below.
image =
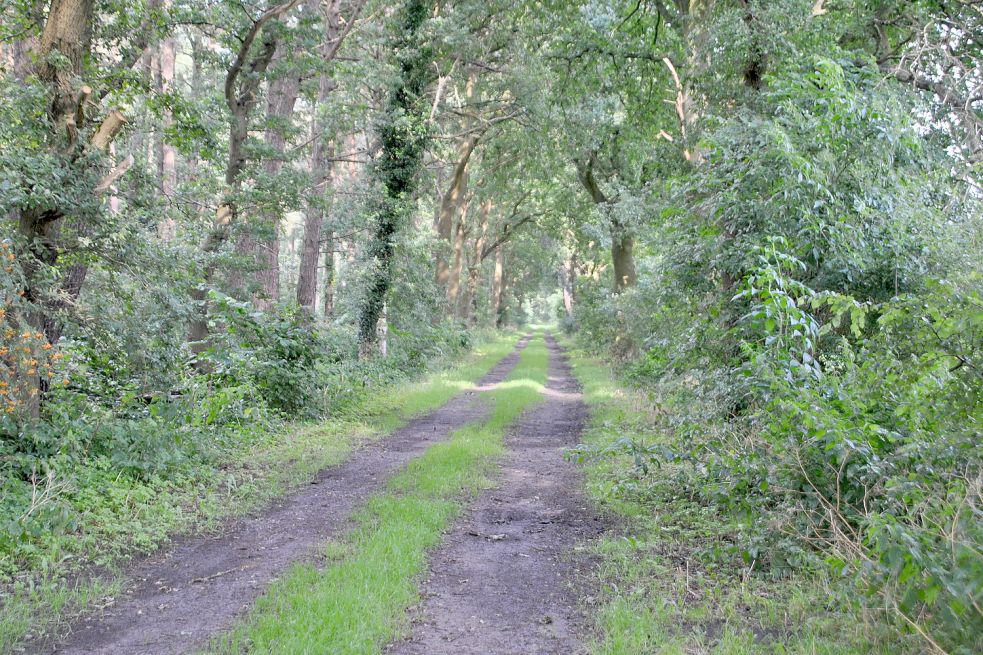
(503, 580)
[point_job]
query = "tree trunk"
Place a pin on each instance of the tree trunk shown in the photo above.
(402, 132)
(569, 279)
(241, 96)
(327, 304)
(321, 164)
(166, 152)
(622, 243)
(454, 281)
(19, 54)
(622, 257)
(450, 205)
(282, 98)
(313, 223)
(498, 288)
(469, 300)
(67, 31)
(64, 47)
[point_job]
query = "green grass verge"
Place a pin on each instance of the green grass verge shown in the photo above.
(143, 515)
(354, 601)
(662, 589)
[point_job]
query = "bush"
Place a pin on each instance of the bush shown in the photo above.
(859, 448)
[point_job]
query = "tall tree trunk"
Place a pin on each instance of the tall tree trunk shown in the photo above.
(313, 224)
(402, 132)
(450, 204)
(327, 299)
(19, 54)
(241, 97)
(282, 98)
(64, 47)
(622, 257)
(468, 301)
(569, 279)
(454, 280)
(67, 32)
(168, 155)
(321, 165)
(498, 288)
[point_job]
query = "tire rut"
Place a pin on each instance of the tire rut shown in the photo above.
(503, 581)
(178, 599)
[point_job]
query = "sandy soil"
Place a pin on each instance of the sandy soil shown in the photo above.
(503, 582)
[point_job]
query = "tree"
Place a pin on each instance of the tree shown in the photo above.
(335, 32)
(402, 131)
(241, 90)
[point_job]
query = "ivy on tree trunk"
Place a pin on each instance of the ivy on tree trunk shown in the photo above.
(403, 133)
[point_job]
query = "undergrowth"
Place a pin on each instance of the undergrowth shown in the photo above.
(671, 581)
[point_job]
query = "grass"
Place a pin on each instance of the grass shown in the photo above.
(140, 516)
(667, 585)
(354, 601)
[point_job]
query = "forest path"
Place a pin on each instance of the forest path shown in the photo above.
(179, 599)
(504, 580)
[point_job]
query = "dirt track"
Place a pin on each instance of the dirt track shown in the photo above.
(200, 586)
(502, 582)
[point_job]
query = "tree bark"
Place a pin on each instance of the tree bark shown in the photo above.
(569, 278)
(241, 97)
(313, 223)
(168, 155)
(498, 288)
(327, 300)
(281, 99)
(622, 242)
(67, 31)
(450, 205)
(467, 310)
(402, 132)
(622, 257)
(321, 165)
(454, 279)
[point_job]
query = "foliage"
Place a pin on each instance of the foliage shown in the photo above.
(806, 329)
